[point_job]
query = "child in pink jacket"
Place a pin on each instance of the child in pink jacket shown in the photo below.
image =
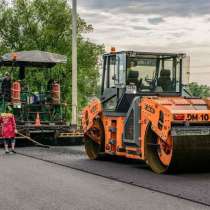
(8, 130)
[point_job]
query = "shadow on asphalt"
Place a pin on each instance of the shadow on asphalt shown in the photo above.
(138, 164)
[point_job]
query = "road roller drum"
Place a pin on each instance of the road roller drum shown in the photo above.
(186, 153)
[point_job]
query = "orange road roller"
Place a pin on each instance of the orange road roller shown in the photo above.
(145, 112)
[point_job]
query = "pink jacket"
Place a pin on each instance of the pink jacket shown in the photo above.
(8, 125)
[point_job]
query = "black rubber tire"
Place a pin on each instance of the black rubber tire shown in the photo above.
(151, 154)
(92, 149)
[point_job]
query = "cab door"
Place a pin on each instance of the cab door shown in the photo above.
(113, 80)
(109, 90)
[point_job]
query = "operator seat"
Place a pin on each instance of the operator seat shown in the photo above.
(164, 80)
(133, 78)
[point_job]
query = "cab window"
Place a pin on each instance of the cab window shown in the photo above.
(140, 72)
(112, 70)
(154, 74)
(109, 69)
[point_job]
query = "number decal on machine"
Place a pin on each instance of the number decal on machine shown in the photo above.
(192, 117)
(149, 108)
(205, 117)
(197, 117)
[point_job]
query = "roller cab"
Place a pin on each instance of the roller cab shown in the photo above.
(146, 113)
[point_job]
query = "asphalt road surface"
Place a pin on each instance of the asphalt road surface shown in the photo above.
(193, 186)
(30, 184)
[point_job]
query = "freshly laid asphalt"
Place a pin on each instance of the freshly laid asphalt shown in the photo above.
(31, 184)
(193, 186)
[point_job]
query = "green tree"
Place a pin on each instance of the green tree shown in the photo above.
(199, 90)
(46, 25)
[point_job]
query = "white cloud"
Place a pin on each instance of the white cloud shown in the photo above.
(126, 25)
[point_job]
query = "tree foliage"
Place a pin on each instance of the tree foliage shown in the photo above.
(199, 90)
(46, 25)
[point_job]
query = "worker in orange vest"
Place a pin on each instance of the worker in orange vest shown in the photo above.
(8, 131)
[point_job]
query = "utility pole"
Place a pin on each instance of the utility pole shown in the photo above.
(74, 64)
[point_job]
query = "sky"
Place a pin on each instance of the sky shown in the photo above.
(154, 25)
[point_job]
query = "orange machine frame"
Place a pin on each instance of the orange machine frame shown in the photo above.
(175, 109)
